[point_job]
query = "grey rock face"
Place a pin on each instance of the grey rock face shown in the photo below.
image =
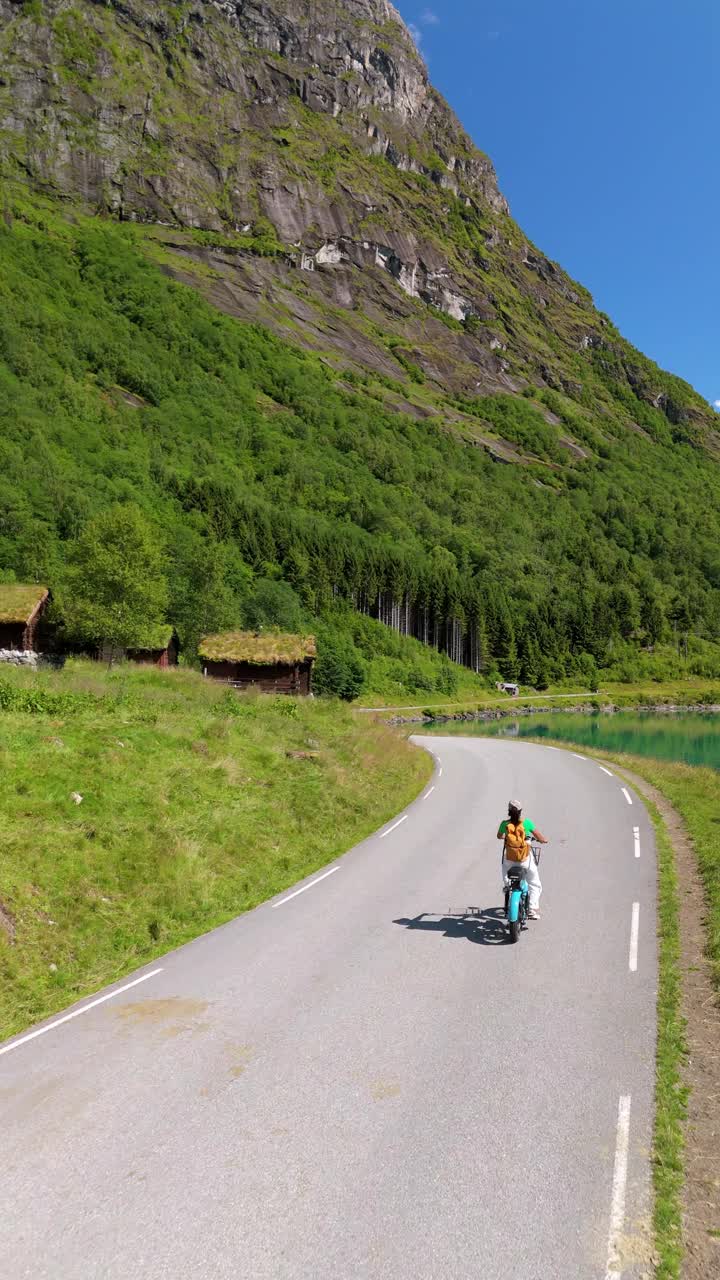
(306, 125)
(94, 108)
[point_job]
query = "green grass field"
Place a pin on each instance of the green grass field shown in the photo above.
(192, 811)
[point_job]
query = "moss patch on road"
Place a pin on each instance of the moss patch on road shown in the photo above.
(142, 808)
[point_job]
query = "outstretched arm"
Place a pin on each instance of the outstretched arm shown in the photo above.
(538, 835)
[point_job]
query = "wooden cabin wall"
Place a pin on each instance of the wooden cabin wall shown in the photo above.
(12, 635)
(278, 678)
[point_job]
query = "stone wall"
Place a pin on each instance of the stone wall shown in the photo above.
(19, 657)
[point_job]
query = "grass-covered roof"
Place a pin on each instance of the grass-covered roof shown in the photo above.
(154, 638)
(263, 648)
(18, 600)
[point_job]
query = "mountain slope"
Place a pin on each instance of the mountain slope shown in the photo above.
(292, 164)
(308, 128)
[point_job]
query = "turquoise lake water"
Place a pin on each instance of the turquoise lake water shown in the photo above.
(692, 738)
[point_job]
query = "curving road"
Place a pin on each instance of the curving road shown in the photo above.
(361, 1078)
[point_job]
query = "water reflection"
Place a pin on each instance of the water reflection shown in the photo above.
(692, 738)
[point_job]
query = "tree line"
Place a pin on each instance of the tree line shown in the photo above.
(267, 494)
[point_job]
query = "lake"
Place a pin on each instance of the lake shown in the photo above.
(690, 737)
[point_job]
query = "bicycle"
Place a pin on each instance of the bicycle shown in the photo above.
(516, 901)
(516, 896)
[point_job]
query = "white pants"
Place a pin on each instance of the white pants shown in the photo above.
(532, 875)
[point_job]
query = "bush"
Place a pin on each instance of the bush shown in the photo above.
(446, 680)
(587, 671)
(339, 670)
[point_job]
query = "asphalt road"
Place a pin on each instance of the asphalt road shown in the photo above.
(364, 1079)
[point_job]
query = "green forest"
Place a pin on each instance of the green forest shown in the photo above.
(274, 494)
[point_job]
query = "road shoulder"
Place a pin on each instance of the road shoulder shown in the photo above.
(700, 1068)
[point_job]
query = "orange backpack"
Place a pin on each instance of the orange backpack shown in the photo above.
(515, 842)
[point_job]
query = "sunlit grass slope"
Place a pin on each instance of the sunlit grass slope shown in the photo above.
(197, 804)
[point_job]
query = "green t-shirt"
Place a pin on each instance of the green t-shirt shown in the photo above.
(528, 827)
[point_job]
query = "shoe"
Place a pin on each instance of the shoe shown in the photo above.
(533, 914)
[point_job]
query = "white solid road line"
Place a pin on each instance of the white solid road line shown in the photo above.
(607, 771)
(428, 793)
(440, 772)
(317, 880)
(394, 825)
(619, 1185)
(636, 840)
(32, 1035)
(634, 931)
(626, 794)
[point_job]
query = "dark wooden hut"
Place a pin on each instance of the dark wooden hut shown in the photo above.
(160, 648)
(269, 661)
(21, 611)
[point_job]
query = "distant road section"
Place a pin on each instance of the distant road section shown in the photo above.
(362, 1078)
(508, 702)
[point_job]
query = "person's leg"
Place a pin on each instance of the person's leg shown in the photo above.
(505, 866)
(532, 875)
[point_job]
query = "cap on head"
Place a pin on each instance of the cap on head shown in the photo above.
(514, 810)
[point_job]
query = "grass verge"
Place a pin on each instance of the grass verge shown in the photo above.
(196, 805)
(695, 795)
(671, 1094)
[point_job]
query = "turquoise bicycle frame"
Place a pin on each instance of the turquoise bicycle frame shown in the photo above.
(513, 909)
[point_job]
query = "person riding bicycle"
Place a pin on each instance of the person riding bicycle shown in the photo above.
(516, 833)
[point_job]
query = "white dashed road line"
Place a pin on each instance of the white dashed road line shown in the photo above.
(394, 825)
(634, 932)
(619, 1186)
(578, 757)
(428, 793)
(311, 885)
(626, 794)
(607, 771)
(636, 841)
(15, 1044)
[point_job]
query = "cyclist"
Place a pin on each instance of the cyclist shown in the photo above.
(516, 832)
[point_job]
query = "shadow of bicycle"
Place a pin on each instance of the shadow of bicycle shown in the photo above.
(487, 926)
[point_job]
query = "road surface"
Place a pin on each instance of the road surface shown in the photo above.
(362, 1078)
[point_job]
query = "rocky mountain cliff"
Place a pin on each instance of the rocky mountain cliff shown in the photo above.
(292, 160)
(291, 163)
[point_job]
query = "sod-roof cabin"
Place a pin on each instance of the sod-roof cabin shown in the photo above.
(270, 661)
(159, 648)
(21, 609)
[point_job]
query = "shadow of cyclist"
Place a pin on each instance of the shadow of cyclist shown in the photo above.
(486, 927)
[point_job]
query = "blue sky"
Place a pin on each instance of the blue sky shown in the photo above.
(602, 118)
